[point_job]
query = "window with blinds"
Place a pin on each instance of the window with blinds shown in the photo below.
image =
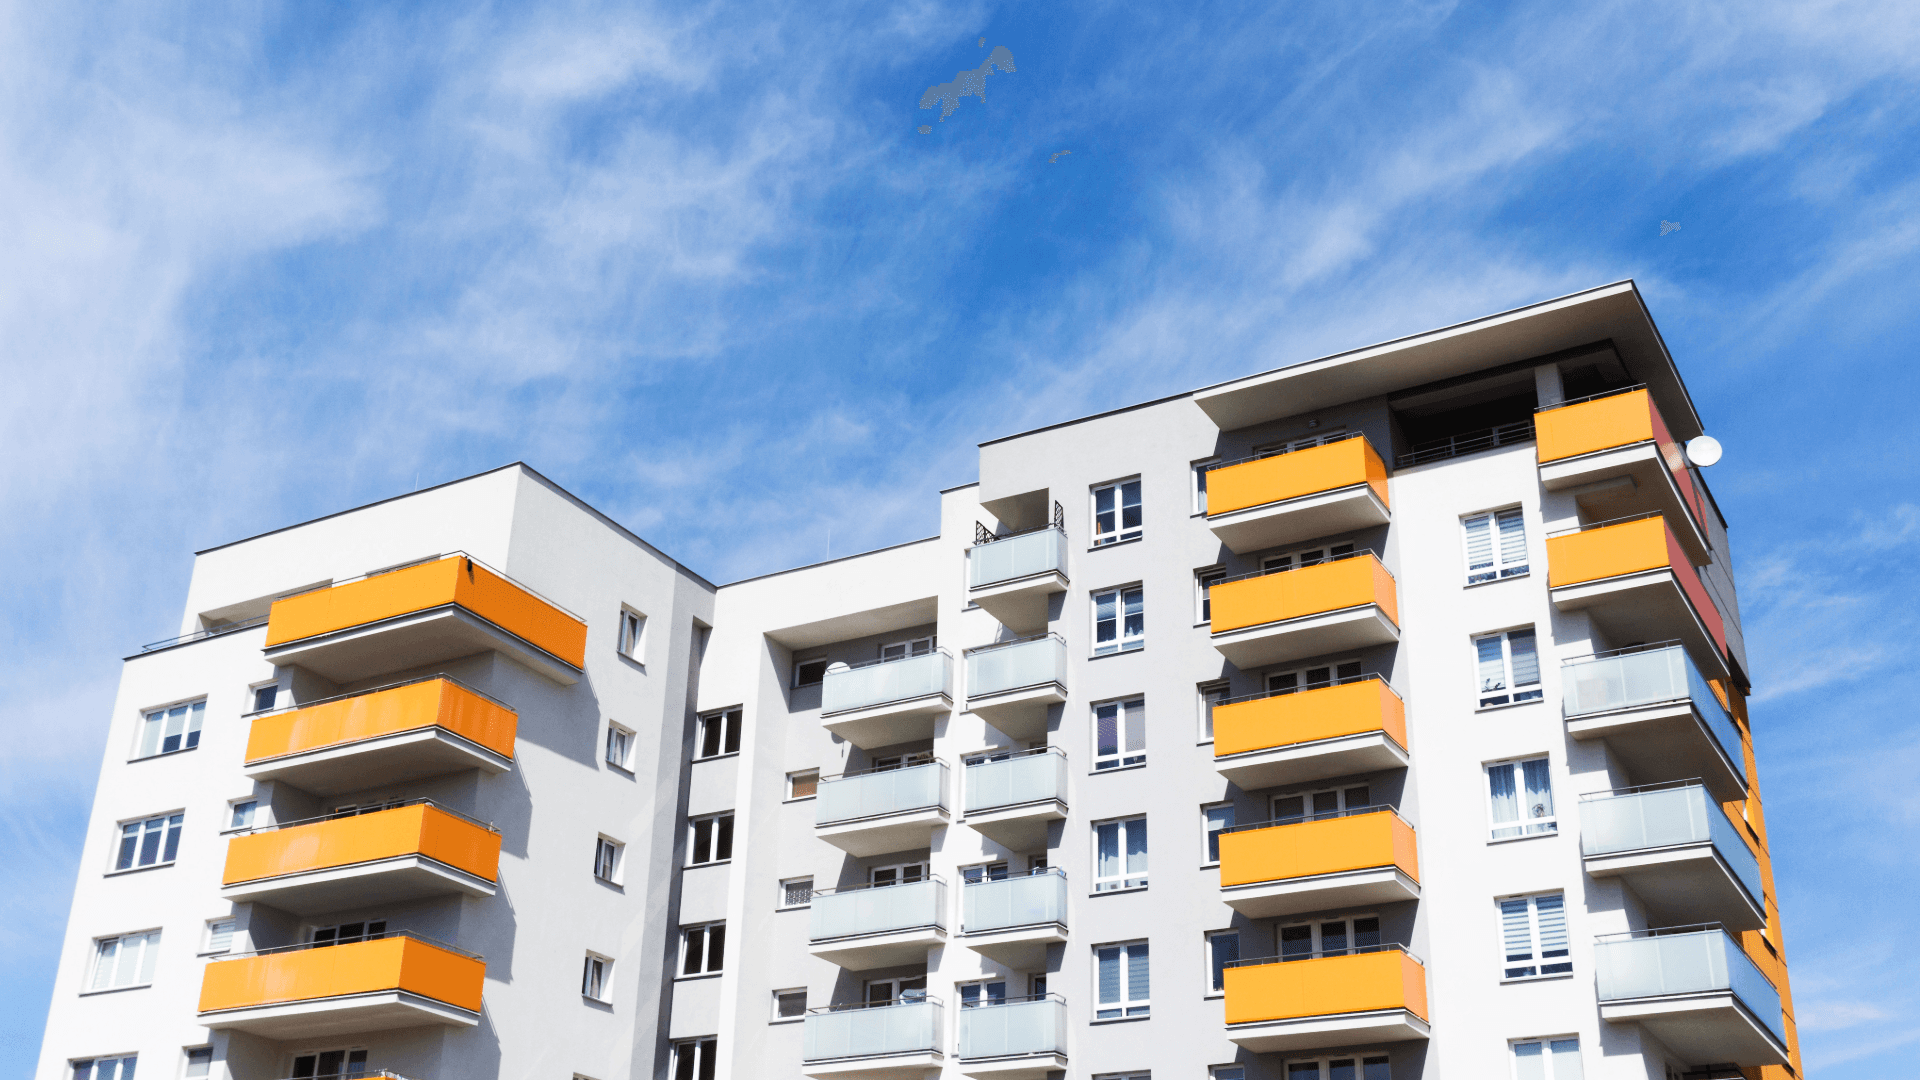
(1119, 734)
(1508, 668)
(1496, 545)
(220, 935)
(1123, 980)
(1533, 932)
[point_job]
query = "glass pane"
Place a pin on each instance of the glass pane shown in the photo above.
(1326, 802)
(1333, 938)
(1107, 838)
(1342, 1069)
(1296, 942)
(1357, 797)
(1376, 1068)
(1366, 932)
(1566, 1059)
(1526, 661)
(1109, 975)
(1493, 671)
(1528, 1064)
(1303, 1070)
(1137, 847)
(1137, 972)
(1106, 730)
(1288, 808)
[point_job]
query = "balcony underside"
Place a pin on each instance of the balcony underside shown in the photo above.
(379, 761)
(1663, 743)
(872, 951)
(889, 724)
(1021, 605)
(912, 1066)
(1348, 755)
(866, 837)
(412, 641)
(1018, 828)
(337, 1017)
(1683, 885)
(1020, 713)
(368, 884)
(1321, 892)
(1704, 1029)
(1645, 606)
(1324, 513)
(1311, 635)
(1020, 947)
(1017, 1067)
(1323, 1032)
(1649, 487)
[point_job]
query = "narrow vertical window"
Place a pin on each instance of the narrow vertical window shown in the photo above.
(596, 978)
(1520, 795)
(719, 734)
(1211, 696)
(1223, 949)
(220, 935)
(1214, 820)
(1120, 734)
(1496, 545)
(1200, 483)
(199, 1062)
(633, 627)
(1533, 932)
(619, 746)
(1203, 583)
(1116, 512)
(606, 859)
(1508, 667)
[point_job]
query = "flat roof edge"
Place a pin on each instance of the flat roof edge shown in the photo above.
(830, 562)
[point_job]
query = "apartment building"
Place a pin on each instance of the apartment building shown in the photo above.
(1379, 716)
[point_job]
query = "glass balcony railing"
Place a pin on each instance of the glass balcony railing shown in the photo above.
(880, 792)
(860, 910)
(1649, 675)
(1684, 960)
(1014, 1028)
(1005, 903)
(1015, 665)
(1010, 558)
(882, 682)
(873, 1029)
(1666, 815)
(1028, 776)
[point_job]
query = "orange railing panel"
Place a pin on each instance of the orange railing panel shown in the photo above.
(1328, 986)
(365, 967)
(1592, 426)
(1310, 590)
(433, 703)
(1632, 547)
(1309, 716)
(1289, 476)
(387, 834)
(1308, 848)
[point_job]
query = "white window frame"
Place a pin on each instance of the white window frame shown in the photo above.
(248, 818)
(1122, 640)
(1200, 484)
(1125, 829)
(1209, 813)
(897, 989)
(700, 1052)
(596, 978)
(633, 634)
(787, 884)
(370, 930)
(788, 992)
(253, 697)
(1549, 1052)
(1227, 1072)
(985, 997)
(1207, 695)
(1509, 692)
(621, 737)
(1119, 532)
(1213, 970)
(1282, 561)
(800, 667)
(907, 650)
(713, 836)
(1126, 1006)
(609, 859)
(347, 1058)
(721, 728)
(123, 1066)
(1325, 1064)
(1337, 673)
(697, 950)
(1533, 967)
(1343, 801)
(150, 735)
(107, 966)
(907, 873)
(187, 1061)
(1125, 713)
(1498, 562)
(1316, 939)
(793, 780)
(1204, 579)
(1527, 824)
(210, 933)
(169, 827)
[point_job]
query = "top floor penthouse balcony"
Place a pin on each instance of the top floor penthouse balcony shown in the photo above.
(1616, 447)
(887, 702)
(1345, 603)
(387, 735)
(1283, 496)
(1014, 576)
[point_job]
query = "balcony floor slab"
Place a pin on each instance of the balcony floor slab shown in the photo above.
(1017, 828)
(379, 761)
(1020, 713)
(1348, 755)
(873, 951)
(337, 888)
(1292, 896)
(1323, 1032)
(913, 1066)
(1685, 884)
(866, 837)
(1020, 605)
(412, 641)
(1018, 1067)
(1645, 606)
(1312, 635)
(1019, 947)
(1662, 743)
(1704, 1029)
(1324, 513)
(890, 724)
(336, 1017)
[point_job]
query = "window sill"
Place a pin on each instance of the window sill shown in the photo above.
(699, 865)
(1122, 542)
(1210, 865)
(1529, 836)
(716, 757)
(801, 798)
(1116, 769)
(697, 976)
(1537, 978)
(610, 883)
(1119, 652)
(1118, 892)
(632, 659)
(619, 768)
(1496, 581)
(600, 1003)
(793, 907)
(137, 869)
(1213, 995)
(1511, 705)
(212, 952)
(163, 754)
(785, 1020)
(116, 989)
(1120, 1020)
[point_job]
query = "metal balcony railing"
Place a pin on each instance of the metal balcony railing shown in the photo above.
(1468, 443)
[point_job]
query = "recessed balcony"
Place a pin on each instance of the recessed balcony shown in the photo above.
(1268, 740)
(1615, 449)
(1011, 684)
(424, 613)
(882, 810)
(427, 727)
(1659, 715)
(1694, 989)
(1343, 604)
(1013, 919)
(363, 860)
(1012, 797)
(887, 702)
(1017, 1039)
(1273, 499)
(318, 992)
(891, 1040)
(863, 927)
(1375, 994)
(1679, 852)
(1636, 582)
(1015, 577)
(1350, 858)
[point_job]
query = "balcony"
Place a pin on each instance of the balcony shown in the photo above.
(1374, 994)
(310, 993)
(1678, 851)
(1013, 919)
(1282, 498)
(863, 927)
(440, 609)
(887, 702)
(1635, 581)
(882, 810)
(1343, 604)
(1020, 1039)
(1011, 684)
(374, 738)
(894, 1040)
(1695, 990)
(363, 860)
(1615, 448)
(1296, 736)
(1015, 577)
(1352, 858)
(1011, 799)
(1659, 715)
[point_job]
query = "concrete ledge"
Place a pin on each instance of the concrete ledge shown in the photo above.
(1321, 892)
(376, 762)
(1324, 513)
(337, 888)
(905, 831)
(340, 1016)
(1347, 755)
(890, 723)
(909, 1066)
(1016, 1067)
(1704, 1029)
(890, 949)
(414, 640)
(1311, 635)
(1323, 1032)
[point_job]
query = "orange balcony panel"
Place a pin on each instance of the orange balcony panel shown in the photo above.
(1656, 467)
(434, 703)
(382, 857)
(341, 989)
(1322, 490)
(1327, 1001)
(1310, 590)
(1365, 859)
(1592, 426)
(1646, 544)
(1310, 716)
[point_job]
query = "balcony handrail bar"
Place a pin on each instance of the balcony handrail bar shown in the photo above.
(383, 1074)
(1354, 554)
(377, 689)
(852, 1006)
(1665, 931)
(1281, 451)
(1021, 1000)
(980, 756)
(1353, 811)
(1604, 524)
(278, 825)
(903, 767)
(1027, 639)
(1369, 676)
(1589, 397)
(203, 634)
(1467, 442)
(306, 946)
(1641, 789)
(1323, 954)
(456, 554)
(1645, 646)
(997, 537)
(938, 650)
(1045, 871)
(876, 885)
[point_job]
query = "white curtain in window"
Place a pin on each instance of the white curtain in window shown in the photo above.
(1506, 801)
(1539, 796)
(1108, 864)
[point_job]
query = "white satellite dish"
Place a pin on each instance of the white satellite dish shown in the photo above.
(837, 667)
(1703, 451)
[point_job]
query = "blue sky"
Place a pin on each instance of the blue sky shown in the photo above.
(697, 265)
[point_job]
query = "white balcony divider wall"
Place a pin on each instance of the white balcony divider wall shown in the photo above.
(994, 669)
(1015, 557)
(1025, 900)
(1037, 776)
(1014, 1029)
(1630, 680)
(1667, 817)
(886, 681)
(1691, 962)
(905, 1027)
(877, 909)
(877, 794)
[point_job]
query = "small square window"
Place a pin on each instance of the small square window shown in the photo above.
(1223, 951)
(1520, 796)
(703, 948)
(810, 672)
(789, 1004)
(719, 735)
(220, 935)
(1120, 854)
(694, 1059)
(1533, 936)
(1508, 666)
(1496, 545)
(710, 839)
(804, 784)
(1214, 820)
(264, 697)
(199, 1062)
(796, 892)
(619, 746)
(1211, 695)
(596, 978)
(241, 813)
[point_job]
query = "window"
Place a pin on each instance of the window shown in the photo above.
(1547, 1059)
(596, 978)
(1223, 948)
(220, 935)
(1121, 980)
(993, 871)
(804, 784)
(355, 809)
(126, 960)
(1203, 583)
(633, 627)
(169, 731)
(1210, 695)
(619, 745)
(1313, 678)
(241, 813)
(975, 994)
(898, 874)
(881, 992)
(1227, 1072)
(348, 933)
(703, 948)
(796, 892)
(1119, 734)
(1293, 560)
(114, 1068)
(1214, 820)
(1200, 483)
(712, 839)
(1340, 1068)
(1509, 668)
(810, 673)
(694, 1059)
(1329, 937)
(901, 650)
(1521, 794)
(1120, 854)
(1321, 804)
(719, 734)
(789, 1004)
(325, 1064)
(150, 842)
(1119, 620)
(199, 1062)
(900, 761)
(1533, 931)
(1491, 557)
(607, 856)
(265, 696)
(1116, 512)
